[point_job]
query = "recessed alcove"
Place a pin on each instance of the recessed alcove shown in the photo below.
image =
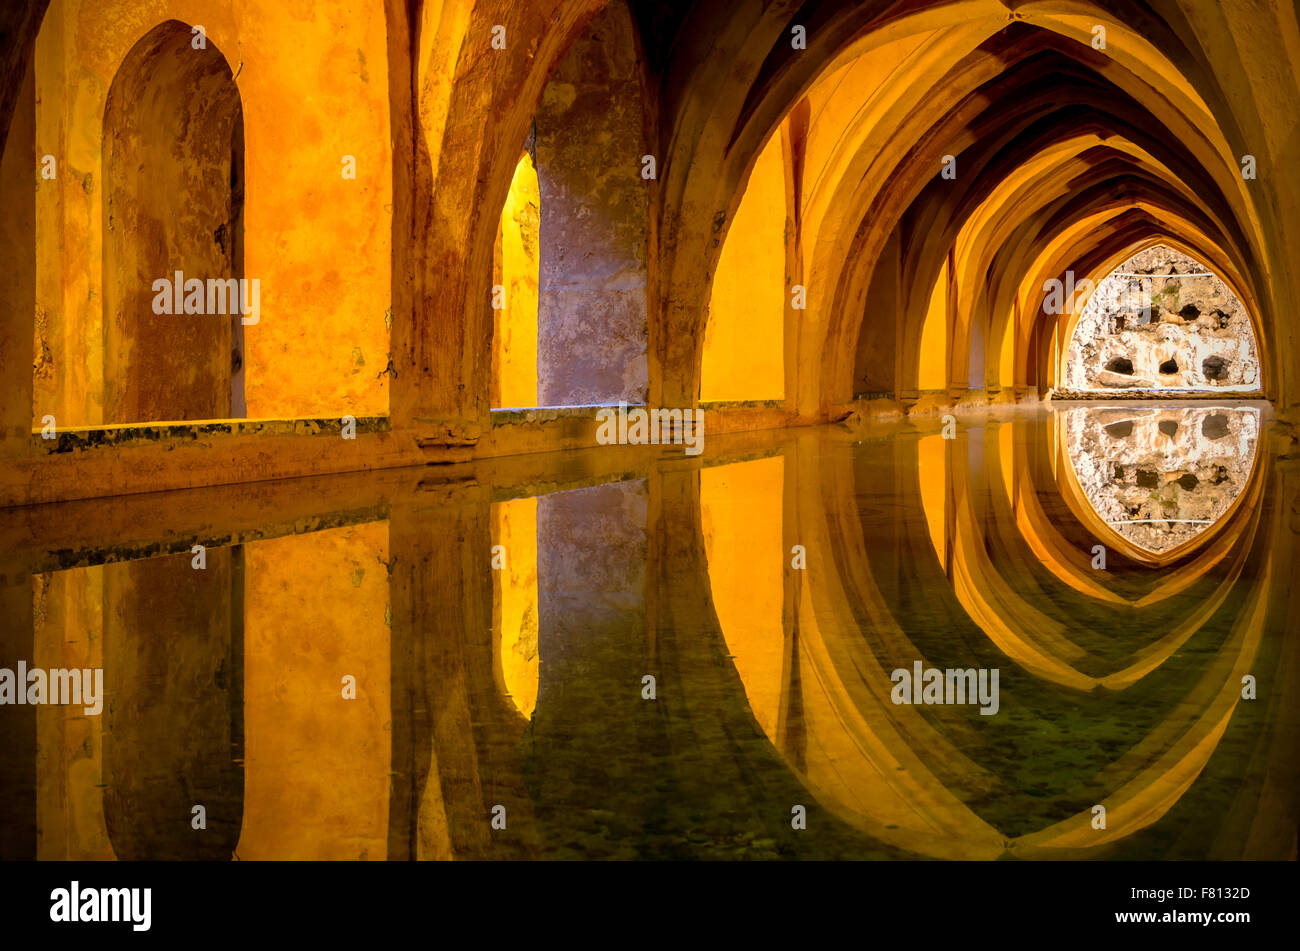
(173, 158)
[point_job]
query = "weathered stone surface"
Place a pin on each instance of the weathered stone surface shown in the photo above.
(1160, 477)
(1180, 327)
(591, 332)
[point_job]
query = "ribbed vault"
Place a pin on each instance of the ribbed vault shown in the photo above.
(1067, 159)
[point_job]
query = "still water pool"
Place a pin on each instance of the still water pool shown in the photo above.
(1065, 632)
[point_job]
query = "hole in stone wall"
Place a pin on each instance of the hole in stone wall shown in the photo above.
(1214, 427)
(1188, 481)
(1215, 368)
(1168, 367)
(1168, 427)
(1121, 430)
(1120, 365)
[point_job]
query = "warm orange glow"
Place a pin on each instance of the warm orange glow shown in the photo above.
(1007, 459)
(935, 271)
(1007, 358)
(515, 601)
(514, 340)
(741, 507)
(70, 633)
(934, 338)
(319, 242)
(744, 339)
(932, 468)
(315, 763)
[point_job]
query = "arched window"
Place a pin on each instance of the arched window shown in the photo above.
(1162, 320)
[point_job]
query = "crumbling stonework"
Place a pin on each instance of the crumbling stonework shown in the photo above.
(1160, 477)
(1181, 327)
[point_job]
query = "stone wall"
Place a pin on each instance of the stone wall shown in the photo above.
(1181, 327)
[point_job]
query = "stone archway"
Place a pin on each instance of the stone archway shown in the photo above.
(172, 202)
(173, 167)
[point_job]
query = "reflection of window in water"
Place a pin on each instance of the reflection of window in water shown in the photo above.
(1160, 477)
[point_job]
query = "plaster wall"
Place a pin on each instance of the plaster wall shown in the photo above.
(312, 92)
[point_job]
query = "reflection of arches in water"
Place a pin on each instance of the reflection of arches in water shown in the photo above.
(740, 512)
(931, 781)
(454, 731)
(984, 572)
(173, 719)
(226, 694)
(317, 765)
(173, 202)
(1069, 557)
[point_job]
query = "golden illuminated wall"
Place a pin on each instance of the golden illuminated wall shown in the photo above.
(744, 339)
(741, 513)
(316, 764)
(934, 338)
(318, 242)
(514, 322)
(1007, 358)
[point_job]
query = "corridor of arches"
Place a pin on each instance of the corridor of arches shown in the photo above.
(989, 306)
(474, 225)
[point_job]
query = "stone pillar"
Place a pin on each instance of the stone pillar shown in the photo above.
(18, 172)
(591, 345)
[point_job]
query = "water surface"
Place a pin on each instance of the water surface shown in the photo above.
(633, 654)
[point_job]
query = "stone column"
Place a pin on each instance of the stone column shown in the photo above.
(18, 170)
